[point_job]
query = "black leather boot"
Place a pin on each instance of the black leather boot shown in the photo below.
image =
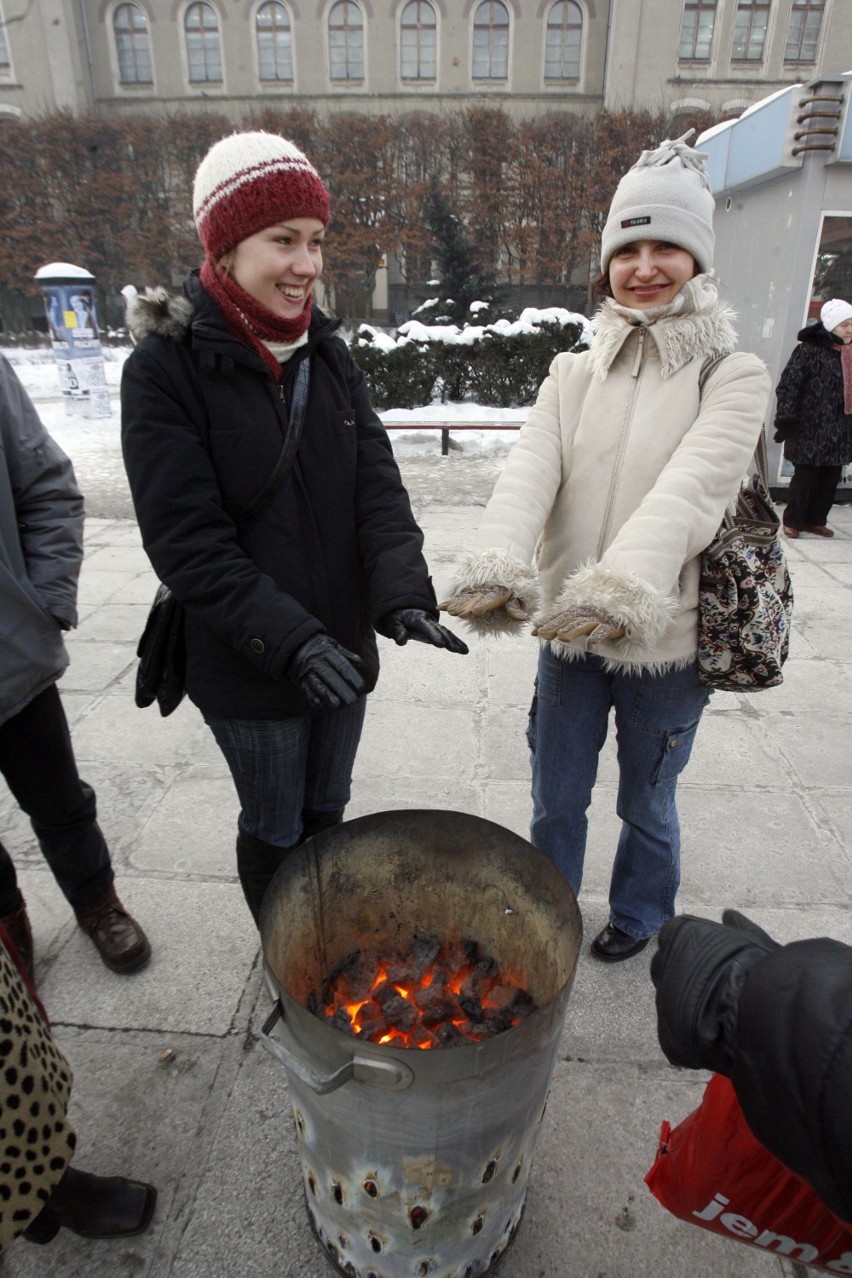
(94, 1207)
(313, 822)
(256, 865)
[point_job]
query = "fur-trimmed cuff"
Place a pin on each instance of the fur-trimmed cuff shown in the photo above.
(644, 612)
(495, 568)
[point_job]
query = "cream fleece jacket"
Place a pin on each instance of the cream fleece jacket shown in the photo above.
(621, 475)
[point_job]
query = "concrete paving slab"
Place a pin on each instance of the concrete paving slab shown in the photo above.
(191, 831)
(204, 948)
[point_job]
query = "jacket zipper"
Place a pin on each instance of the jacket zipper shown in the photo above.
(635, 373)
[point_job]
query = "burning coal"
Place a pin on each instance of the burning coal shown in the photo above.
(432, 995)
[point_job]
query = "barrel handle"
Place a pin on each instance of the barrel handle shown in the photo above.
(390, 1074)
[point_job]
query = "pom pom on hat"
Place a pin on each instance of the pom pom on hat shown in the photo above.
(666, 196)
(249, 181)
(834, 312)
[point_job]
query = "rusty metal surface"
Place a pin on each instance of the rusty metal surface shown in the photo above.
(421, 1170)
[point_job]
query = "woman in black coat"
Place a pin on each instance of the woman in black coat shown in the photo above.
(285, 565)
(814, 418)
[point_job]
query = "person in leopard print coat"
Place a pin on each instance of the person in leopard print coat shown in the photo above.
(40, 1192)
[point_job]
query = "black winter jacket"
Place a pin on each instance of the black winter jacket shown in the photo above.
(203, 422)
(792, 1069)
(809, 417)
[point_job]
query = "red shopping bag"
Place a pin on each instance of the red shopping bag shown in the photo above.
(711, 1171)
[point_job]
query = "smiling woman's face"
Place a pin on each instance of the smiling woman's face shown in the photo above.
(649, 273)
(279, 265)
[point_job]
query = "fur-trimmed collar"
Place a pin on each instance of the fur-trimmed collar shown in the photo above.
(160, 312)
(699, 324)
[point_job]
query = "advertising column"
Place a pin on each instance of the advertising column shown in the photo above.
(69, 303)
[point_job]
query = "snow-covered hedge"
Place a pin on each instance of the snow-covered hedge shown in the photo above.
(500, 364)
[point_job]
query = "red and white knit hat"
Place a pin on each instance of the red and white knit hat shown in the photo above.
(249, 181)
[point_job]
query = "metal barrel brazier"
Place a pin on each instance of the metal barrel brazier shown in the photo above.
(416, 1163)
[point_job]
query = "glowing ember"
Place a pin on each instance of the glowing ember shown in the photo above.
(432, 995)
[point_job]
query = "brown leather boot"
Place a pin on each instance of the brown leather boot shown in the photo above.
(17, 924)
(117, 937)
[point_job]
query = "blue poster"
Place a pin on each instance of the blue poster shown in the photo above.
(72, 321)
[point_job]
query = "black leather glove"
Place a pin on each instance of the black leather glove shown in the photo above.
(414, 623)
(698, 972)
(783, 430)
(325, 671)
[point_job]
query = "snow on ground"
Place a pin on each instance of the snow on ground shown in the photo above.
(36, 367)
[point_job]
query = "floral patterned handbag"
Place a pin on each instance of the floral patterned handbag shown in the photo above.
(745, 597)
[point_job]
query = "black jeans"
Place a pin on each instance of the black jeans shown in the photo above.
(37, 760)
(811, 495)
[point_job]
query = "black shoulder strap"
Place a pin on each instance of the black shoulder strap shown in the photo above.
(298, 404)
(711, 362)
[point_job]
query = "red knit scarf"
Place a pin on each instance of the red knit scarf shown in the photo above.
(846, 365)
(248, 320)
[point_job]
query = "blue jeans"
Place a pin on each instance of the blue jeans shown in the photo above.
(285, 767)
(656, 717)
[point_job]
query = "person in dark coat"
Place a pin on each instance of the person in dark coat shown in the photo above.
(776, 1020)
(281, 605)
(813, 418)
(41, 550)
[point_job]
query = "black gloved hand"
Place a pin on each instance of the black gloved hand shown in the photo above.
(414, 623)
(698, 972)
(325, 671)
(783, 430)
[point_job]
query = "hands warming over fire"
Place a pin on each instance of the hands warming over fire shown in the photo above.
(477, 603)
(326, 672)
(414, 623)
(578, 620)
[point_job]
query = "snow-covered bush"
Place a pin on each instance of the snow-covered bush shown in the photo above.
(500, 364)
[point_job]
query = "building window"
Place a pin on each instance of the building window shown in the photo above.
(750, 30)
(131, 44)
(346, 41)
(274, 43)
(803, 31)
(696, 32)
(418, 42)
(5, 61)
(203, 50)
(564, 36)
(491, 41)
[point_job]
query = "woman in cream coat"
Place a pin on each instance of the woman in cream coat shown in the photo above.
(618, 480)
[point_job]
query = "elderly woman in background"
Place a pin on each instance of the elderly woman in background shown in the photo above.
(813, 418)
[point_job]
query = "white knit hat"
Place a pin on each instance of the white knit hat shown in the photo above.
(249, 181)
(665, 196)
(834, 312)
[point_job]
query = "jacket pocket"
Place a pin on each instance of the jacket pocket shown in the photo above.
(30, 638)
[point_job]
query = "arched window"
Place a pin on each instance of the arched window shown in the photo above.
(203, 50)
(750, 27)
(696, 32)
(564, 37)
(418, 42)
(346, 41)
(131, 44)
(803, 31)
(274, 42)
(491, 41)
